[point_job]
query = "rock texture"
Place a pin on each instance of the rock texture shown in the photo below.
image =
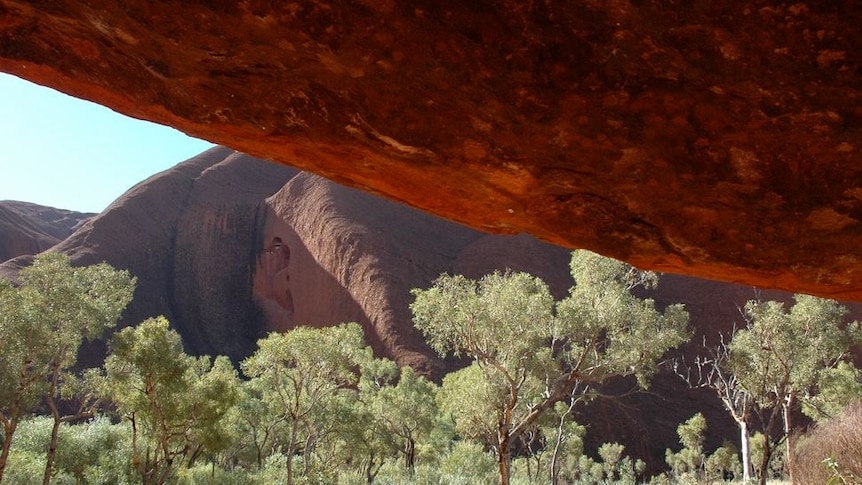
(720, 140)
(188, 234)
(27, 228)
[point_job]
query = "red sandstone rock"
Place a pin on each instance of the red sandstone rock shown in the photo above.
(720, 140)
(27, 228)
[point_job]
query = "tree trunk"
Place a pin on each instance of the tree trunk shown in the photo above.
(8, 431)
(308, 449)
(52, 446)
(369, 475)
(504, 456)
(764, 462)
(55, 428)
(558, 443)
(554, 457)
(410, 454)
(788, 429)
(140, 466)
(291, 442)
(744, 441)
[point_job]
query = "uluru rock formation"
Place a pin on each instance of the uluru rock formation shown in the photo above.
(719, 140)
(188, 234)
(27, 228)
(229, 247)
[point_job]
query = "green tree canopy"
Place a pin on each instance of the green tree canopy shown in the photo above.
(42, 324)
(531, 352)
(783, 357)
(175, 403)
(301, 372)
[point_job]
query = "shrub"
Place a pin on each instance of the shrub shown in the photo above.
(832, 451)
(468, 463)
(207, 474)
(724, 463)
(688, 463)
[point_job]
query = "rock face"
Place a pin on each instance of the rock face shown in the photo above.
(27, 228)
(229, 247)
(720, 140)
(188, 234)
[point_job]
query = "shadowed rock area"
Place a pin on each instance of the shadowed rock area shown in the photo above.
(719, 140)
(229, 247)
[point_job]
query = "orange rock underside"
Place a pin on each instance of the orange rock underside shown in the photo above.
(719, 140)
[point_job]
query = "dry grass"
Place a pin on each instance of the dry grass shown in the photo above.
(839, 440)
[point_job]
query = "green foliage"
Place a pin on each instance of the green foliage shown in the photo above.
(838, 387)
(783, 353)
(300, 375)
(838, 476)
(45, 319)
(42, 324)
(776, 463)
(691, 433)
(25, 468)
(563, 443)
(404, 414)
(607, 329)
(469, 396)
(503, 317)
(690, 461)
(467, 463)
(531, 352)
(93, 452)
(174, 402)
(783, 357)
(318, 408)
(207, 474)
(617, 467)
(691, 464)
(723, 462)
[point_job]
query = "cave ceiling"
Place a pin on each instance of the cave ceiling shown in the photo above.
(718, 139)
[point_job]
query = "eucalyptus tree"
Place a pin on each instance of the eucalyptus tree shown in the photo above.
(405, 412)
(176, 403)
(301, 372)
(391, 414)
(690, 461)
(257, 429)
(42, 325)
(531, 352)
(782, 358)
(838, 388)
(712, 370)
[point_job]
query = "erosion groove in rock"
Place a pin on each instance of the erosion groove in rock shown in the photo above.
(719, 140)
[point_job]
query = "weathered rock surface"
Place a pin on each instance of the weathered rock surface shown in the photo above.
(27, 228)
(188, 234)
(719, 140)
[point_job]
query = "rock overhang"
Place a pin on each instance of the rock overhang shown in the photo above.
(720, 140)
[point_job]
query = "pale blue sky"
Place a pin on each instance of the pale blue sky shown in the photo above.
(64, 152)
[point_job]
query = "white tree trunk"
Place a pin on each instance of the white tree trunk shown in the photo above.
(746, 451)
